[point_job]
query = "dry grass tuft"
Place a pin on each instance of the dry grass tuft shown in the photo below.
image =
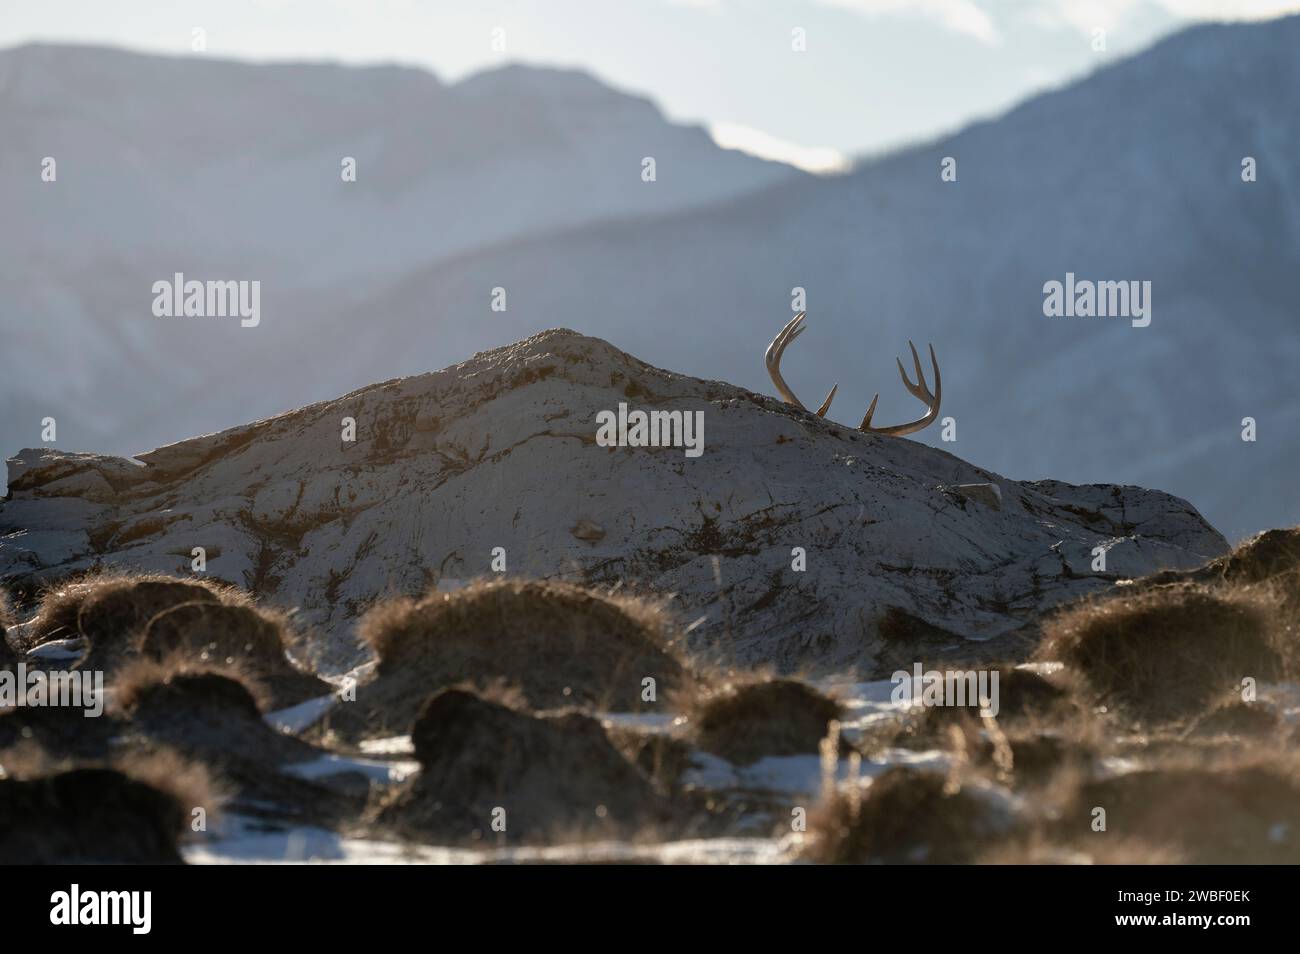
(1238, 809)
(252, 639)
(1251, 720)
(555, 773)
(1037, 849)
(60, 605)
(131, 810)
(663, 758)
(1166, 652)
(752, 716)
(208, 630)
(162, 683)
(1025, 698)
(905, 816)
(186, 780)
(559, 644)
(111, 609)
(1269, 554)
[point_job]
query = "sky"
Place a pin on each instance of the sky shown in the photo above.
(871, 74)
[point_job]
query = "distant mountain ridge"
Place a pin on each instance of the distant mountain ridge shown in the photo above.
(232, 170)
(1133, 173)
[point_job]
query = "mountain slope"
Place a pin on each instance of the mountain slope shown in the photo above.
(1131, 174)
(794, 542)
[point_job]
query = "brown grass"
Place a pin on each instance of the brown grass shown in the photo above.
(111, 607)
(154, 681)
(1233, 808)
(135, 808)
(251, 638)
(905, 816)
(1265, 556)
(1025, 698)
(1250, 720)
(663, 758)
(551, 773)
(1166, 652)
(186, 780)
(557, 643)
(1038, 849)
(752, 716)
(217, 631)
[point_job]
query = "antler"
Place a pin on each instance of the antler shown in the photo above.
(921, 390)
(793, 329)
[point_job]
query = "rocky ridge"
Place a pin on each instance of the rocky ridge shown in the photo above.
(905, 547)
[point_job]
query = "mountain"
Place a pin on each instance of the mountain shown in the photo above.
(1131, 174)
(790, 540)
(226, 170)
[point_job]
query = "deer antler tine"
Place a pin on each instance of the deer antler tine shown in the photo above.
(792, 330)
(773, 359)
(826, 405)
(866, 418)
(920, 389)
(938, 383)
(907, 383)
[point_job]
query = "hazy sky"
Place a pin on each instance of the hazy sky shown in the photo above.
(874, 74)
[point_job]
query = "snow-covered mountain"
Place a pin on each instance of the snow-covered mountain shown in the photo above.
(1131, 174)
(495, 466)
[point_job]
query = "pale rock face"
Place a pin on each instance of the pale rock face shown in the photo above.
(501, 451)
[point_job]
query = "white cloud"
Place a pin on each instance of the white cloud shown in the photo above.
(819, 160)
(1230, 9)
(960, 16)
(971, 18)
(1088, 15)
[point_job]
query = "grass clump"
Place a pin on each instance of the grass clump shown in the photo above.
(556, 643)
(1244, 809)
(133, 810)
(181, 682)
(1024, 698)
(906, 816)
(1167, 652)
(250, 638)
(115, 600)
(747, 718)
(551, 774)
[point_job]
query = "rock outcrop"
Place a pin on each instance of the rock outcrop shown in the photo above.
(790, 540)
